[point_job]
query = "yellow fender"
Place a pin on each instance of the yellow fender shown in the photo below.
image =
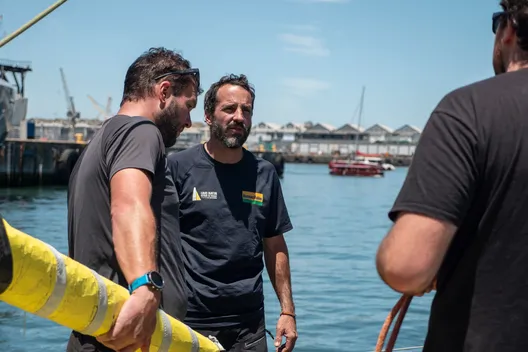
(38, 279)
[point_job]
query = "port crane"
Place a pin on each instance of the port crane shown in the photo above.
(72, 114)
(106, 112)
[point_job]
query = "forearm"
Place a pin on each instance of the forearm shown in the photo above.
(278, 266)
(134, 235)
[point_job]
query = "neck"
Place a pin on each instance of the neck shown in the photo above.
(221, 153)
(137, 108)
(518, 61)
(515, 66)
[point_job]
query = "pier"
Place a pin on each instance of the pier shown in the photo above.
(27, 163)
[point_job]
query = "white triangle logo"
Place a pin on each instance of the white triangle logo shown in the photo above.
(195, 195)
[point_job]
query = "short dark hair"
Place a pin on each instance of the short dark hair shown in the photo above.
(141, 76)
(518, 14)
(210, 99)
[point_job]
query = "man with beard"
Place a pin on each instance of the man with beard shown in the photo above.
(121, 198)
(460, 217)
(232, 214)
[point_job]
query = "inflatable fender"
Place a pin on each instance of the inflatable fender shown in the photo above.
(38, 279)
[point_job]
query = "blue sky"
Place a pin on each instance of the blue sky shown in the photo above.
(308, 59)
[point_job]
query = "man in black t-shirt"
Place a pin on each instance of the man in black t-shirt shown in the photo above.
(121, 198)
(232, 214)
(460, 217)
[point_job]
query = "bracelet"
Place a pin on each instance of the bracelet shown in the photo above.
(289, 314)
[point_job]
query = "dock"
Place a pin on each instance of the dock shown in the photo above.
(29, 163)
(396, 160)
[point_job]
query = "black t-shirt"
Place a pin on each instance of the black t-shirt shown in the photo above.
(125, 142)
(226, 211)
(471, 168)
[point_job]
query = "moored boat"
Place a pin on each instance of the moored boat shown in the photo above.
(354, 168)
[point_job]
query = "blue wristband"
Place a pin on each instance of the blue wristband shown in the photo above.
(152, 279)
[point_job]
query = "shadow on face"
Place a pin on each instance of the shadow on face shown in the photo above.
(175, 115)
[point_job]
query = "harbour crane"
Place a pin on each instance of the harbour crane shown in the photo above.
(72, 114)
(106, 112)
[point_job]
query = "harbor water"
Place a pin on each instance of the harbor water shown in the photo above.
(339, 221)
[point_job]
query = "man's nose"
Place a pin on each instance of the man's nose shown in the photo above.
(239, 115)
(188, 122)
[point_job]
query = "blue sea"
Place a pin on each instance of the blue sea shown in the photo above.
(338, 223)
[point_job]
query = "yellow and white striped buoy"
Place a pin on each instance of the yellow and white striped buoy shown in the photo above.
(38, 279)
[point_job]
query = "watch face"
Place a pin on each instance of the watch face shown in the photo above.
(156, 279)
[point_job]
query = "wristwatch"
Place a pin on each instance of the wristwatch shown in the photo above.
(152, 278)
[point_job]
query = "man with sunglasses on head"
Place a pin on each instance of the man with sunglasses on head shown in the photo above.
(232, 216)
(460, 220)
(121, 201)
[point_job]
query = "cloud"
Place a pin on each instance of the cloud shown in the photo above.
(304, 44)
(304, 87)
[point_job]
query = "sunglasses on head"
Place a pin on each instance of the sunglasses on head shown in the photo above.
(496, 19)
(191, 71)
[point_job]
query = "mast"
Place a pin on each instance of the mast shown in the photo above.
(26, 26)
(359, 119)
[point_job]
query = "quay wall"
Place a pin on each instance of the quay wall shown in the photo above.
(28, 163)
(396, 160)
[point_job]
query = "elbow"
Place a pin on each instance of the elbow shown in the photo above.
(407, 278)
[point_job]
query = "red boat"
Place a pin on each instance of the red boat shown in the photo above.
(354, 168)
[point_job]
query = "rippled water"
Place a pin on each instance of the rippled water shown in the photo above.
(339, 221)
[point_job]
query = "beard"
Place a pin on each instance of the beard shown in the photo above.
(236, 139)
(168, 122)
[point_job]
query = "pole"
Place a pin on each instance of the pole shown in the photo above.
(359, 118)
(37, 18)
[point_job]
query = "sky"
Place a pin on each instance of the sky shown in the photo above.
(307, 59)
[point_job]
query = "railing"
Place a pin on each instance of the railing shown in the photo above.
(16, 63)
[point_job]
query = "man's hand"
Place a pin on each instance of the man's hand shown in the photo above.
(135, 324)
(286, 327)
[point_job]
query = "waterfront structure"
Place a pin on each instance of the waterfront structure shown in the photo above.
(293, 137)
(324, 139)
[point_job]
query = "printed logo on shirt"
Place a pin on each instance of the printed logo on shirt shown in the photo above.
(252, 198)
(203, 195)
(195, 196)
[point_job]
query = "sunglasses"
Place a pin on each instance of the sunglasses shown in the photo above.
(192, 71)
(496, 19)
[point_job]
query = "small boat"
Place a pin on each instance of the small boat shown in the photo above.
(355, 168)
(359, 165)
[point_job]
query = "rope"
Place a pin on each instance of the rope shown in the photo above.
(400, 307)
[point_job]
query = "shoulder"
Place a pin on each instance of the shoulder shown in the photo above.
(185, 156)
(476, 97)
(265, 169)
(134, 127)
(263, 165)
(180, 162)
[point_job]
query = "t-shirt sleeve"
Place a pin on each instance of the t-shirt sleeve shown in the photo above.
(140, 147)
(440, 182)
(279, 220)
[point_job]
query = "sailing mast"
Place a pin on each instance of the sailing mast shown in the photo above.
(359, 120)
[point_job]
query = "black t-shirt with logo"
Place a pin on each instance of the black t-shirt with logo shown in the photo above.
(226, 211)
(471, 168)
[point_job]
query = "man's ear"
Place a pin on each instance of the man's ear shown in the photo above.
(163, 92)
(208, 119)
